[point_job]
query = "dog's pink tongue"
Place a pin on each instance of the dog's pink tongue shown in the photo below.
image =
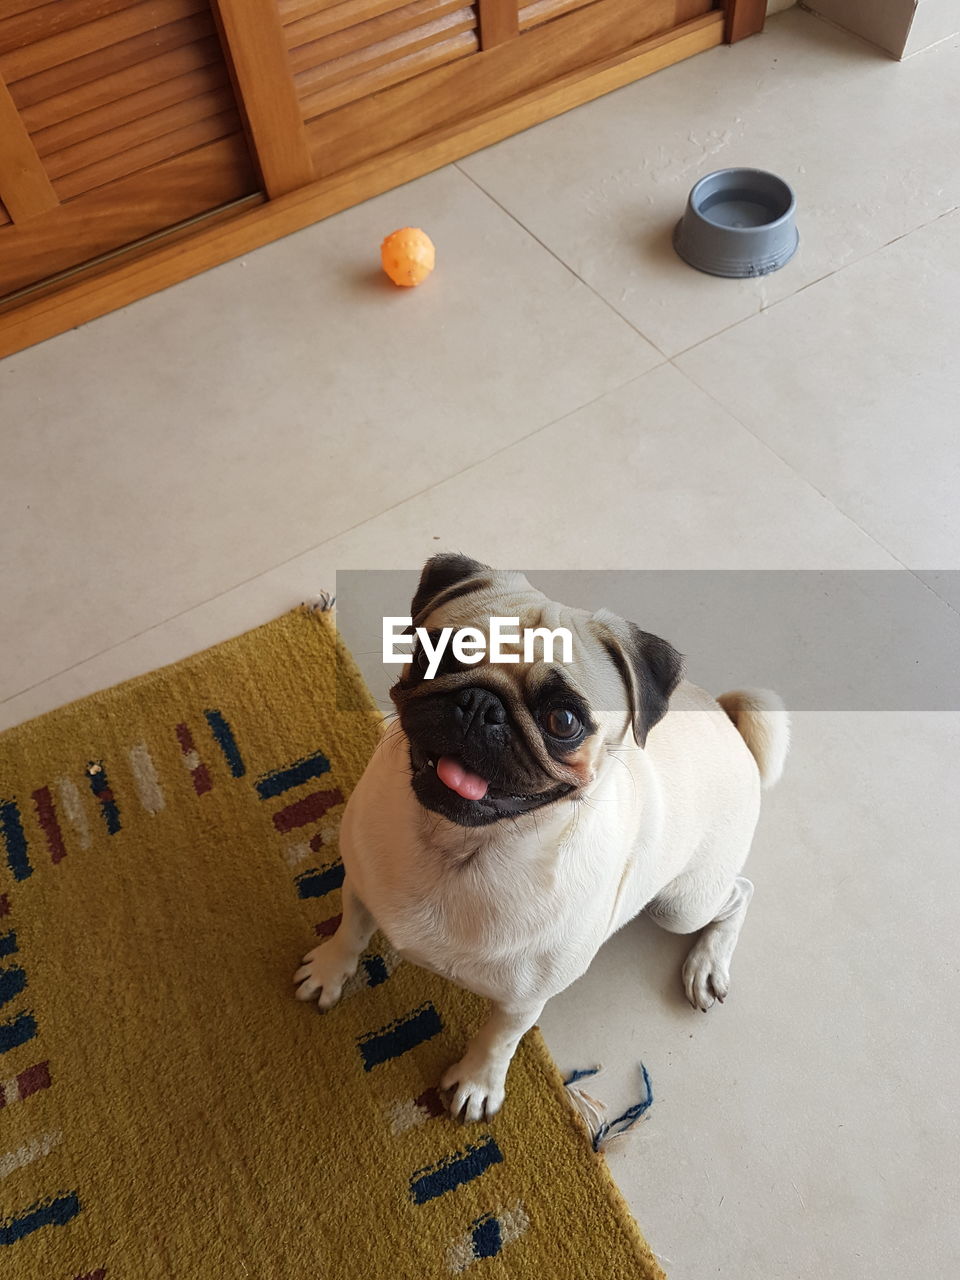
(469, 785)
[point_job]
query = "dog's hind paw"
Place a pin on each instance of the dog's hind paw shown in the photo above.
(706, 972)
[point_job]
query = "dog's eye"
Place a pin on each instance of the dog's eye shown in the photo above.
(419, 660)
(561, 722)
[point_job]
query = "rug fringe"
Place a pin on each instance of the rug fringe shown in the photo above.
(606, 1133)
(323, 602)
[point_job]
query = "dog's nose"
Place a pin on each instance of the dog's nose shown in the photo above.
(478, 708)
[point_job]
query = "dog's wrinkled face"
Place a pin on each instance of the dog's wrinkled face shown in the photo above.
(498, 740)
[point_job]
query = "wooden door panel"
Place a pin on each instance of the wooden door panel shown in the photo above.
(538, 12)
(310, 59)
(27, 190)
(339, 17)
(37, 22)
(124, 211)
(373, 124)
(121, 86)
(124, 138)
(125, 124)
(93, 68)
(363, 81)
(140, 20)
(159, 97)
(345, 52)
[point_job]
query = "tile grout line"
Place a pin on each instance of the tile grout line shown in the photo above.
(789, 465)
(914, 573)
(736, 417)
(457, 164)
(827, 275)
(136, 635)
(664, 360)
(566, 265)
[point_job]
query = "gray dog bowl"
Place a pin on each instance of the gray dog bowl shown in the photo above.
(738, 222)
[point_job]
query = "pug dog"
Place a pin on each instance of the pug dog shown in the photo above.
(517, 814)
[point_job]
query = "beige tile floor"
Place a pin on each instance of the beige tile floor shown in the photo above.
(565, 394)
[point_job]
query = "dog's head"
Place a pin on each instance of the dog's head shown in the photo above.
(498, 740)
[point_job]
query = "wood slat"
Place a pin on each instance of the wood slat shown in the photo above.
(125, 279)
(204, 57)
(24, 185)
(257, 58)
(148, 102)
(147, 154)
(125, 138)
(11, 7)
(541, 11)
(336, 18)
(498, 22)
(125, 211)
(293, 10)
(367, 34)
(95, 38)
(360, 130)
(393, 71)
(44, 20)
(110, 169)
(121, 57)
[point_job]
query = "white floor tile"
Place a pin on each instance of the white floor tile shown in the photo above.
(805, 1128)
(855, 382)
(655, 475)
(604, 185)
(164, 453)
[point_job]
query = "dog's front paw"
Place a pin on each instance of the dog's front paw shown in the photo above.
(478, 1087)
(706, 972)
(322, 975)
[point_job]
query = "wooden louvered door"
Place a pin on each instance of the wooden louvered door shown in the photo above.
(142, 141)
(371, 75)
(117, 120)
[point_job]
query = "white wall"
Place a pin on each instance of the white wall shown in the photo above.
(934, 20)
(901, 27)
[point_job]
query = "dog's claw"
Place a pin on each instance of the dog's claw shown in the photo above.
(476, 1088)
(706, 976)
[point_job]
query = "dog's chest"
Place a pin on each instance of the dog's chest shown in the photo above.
(504, 940)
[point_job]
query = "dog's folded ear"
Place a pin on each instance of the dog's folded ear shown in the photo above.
(649, 667)
(445, 577)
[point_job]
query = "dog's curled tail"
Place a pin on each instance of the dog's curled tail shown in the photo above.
(763, 723)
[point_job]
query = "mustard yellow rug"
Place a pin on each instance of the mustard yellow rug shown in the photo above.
(168, 1111)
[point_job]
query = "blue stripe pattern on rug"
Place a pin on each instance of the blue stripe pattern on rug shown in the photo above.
(45, 1213)
(223, 737)
(399, 1037)
(274, 784)
(317, 883)
(17, 1031)
(11, 828)
(376, 970)
(487, 1237)
(12, 982)
(454, 1171)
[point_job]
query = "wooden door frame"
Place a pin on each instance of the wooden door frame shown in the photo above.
(742, 18)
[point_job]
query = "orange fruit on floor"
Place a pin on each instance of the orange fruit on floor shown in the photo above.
(408, 256)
